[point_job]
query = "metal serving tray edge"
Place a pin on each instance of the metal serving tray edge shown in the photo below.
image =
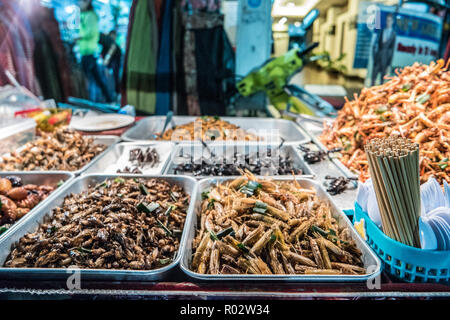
(143, 129)
(114, 153)
(38, 178)
(77, 185)
(369, 257)
(109, 141)
(293, 152)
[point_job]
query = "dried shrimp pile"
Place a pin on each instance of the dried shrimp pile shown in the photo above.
(252, 226)
(415, 104)
(118, 224)
(64, 149)
(208, 129)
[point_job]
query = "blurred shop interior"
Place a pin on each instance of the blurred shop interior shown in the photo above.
(190, 56)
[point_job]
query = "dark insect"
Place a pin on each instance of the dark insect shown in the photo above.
(316, 156)
(15, 181)
(141, 158)
(338, 185)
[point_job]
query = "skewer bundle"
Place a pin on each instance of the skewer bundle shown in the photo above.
(394, 168)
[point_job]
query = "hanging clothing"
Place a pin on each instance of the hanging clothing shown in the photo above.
(141, 58)
(16, 47)
(164, 67)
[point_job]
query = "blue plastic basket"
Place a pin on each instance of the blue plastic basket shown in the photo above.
(404, 262)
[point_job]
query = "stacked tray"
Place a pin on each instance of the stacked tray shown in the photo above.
(32, 222)
(371, 262)
(227, 154)
(117, 158)
(271, 130)
(109, 141)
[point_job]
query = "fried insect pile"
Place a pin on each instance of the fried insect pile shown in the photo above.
(252, 226)
(415, 104)
(269, 164)
(118, 224)
(64, 149)
(17, 199)
(140, 159)
(208, 129)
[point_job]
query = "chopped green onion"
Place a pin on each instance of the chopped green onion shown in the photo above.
(60, 183)
(172, 195)
(273, 238)
(142, 207)
(381, 110)
(119, 180)
(242, 247)
(406, 87)
(143, 189)
(423, 98)
(213, 236)
(205, 195)
(83, 250)
(3, 229)
(320, 231)
(164, 261)
(259, 210)
(443, 166)
(169, 210)
(167, 230)
(100, 185)
(225, 232)
(260, 204)
(211, 204)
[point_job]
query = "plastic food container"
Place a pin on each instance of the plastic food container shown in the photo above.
(15, 132)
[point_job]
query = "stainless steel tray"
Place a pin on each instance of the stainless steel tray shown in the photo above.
(369, 258)
(271, 130)
(118, 155)
(227, 150)
(109, 141)
(38, 178)
(32, 222)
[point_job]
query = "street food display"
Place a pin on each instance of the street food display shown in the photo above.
(258, 226)
(62, 150)
(130, 224)
(415, 104)
(17, 199)
(207, 129)
(140, 159)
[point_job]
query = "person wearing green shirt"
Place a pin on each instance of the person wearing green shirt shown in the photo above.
(88, 43)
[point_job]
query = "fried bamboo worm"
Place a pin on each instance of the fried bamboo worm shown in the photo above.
(253, 236)
(348, 267)
(200, 250)
(325, 256)
(214, 262)
(277, 267)
(301, 259)
(323, 271)
(202, 267)
(316, 252)
(299, 231)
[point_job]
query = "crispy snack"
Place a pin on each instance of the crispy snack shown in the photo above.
(17, 199)
(208, 129)
(251, 226)
(415, 104)
(62, 150)
(131, 224)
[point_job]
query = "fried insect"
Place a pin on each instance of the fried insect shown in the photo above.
(415, 104)
(117, 224)
(255, 226)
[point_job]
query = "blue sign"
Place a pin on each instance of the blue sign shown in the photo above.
(254, 3)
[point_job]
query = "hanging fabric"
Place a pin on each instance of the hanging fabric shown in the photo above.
(16, 47)
(141, 58)
(164, 68)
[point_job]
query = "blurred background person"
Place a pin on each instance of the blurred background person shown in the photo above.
(112, 56)
(88, 42)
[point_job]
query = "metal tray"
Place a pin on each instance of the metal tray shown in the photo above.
(37, 178)
(220, 150)
(271, 130)
(32, 223)
(369, 258)
(118, 155)
(109, 141)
